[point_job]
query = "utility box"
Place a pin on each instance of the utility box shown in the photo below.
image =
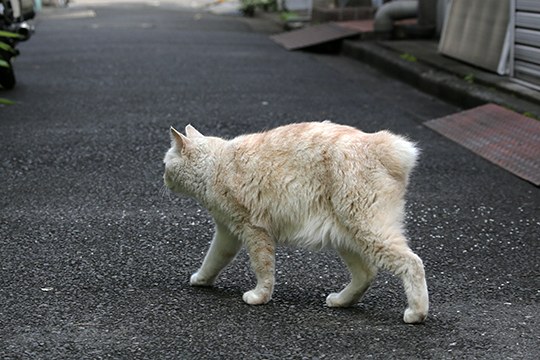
(478, 32)
(296, 5)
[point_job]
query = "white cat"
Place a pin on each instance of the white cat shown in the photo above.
(310, 184)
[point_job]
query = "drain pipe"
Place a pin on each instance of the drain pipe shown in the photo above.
(395, 10)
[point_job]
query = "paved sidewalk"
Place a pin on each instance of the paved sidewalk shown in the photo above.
(418, 63)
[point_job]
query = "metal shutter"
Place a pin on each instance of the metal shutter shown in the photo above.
(526, 49)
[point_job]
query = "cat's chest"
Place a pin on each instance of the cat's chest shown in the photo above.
(219, 214)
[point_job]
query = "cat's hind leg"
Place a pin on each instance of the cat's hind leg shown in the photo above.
(362, 275)
(223, 250)
(393, 254)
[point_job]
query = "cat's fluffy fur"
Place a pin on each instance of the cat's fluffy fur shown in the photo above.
(309, 184)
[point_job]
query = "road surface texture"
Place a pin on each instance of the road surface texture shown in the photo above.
(95, 256)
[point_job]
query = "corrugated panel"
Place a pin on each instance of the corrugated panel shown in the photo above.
(531, 69)
(527, 53)
(527, 37)
(526, 50)
(528, 20)
(528, 5)
(527, 72)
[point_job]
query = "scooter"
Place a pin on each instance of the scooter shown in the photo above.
(13, 29)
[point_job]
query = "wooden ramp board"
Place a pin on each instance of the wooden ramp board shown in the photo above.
(499, 135)
(363, 26)
(314, 35)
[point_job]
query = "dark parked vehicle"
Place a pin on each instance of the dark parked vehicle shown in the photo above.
(13, 28)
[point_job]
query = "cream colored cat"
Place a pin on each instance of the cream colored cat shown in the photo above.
(310, 184)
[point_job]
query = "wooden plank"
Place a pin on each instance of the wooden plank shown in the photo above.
(313, 35)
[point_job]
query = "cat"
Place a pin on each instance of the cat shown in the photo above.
(314, 185)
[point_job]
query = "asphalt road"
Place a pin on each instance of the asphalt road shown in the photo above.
(95, 257)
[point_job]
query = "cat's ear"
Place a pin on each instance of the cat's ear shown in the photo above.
(178, 140)
(191, 132)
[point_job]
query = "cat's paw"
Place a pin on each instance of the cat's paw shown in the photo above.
(254, 297)
(334, 300)
(198, 280)
(414, 317)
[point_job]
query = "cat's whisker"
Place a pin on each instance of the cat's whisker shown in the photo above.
(164, 192)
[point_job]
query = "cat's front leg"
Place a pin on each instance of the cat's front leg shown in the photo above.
(222, 251)
(261, 248)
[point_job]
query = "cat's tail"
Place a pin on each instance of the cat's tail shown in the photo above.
(397, 154)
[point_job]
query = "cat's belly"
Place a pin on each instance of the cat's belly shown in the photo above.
(314, 233)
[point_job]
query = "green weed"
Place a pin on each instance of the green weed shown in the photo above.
(408, 57)
(469, 78)
(5, 102)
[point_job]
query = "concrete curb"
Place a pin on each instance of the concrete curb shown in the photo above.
(436, 82)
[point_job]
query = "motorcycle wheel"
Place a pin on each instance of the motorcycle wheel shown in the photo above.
(7, 75)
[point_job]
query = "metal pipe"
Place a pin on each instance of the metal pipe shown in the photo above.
(395, 10)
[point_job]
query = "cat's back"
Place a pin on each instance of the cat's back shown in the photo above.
(311, 133)
(322, 150)
(312, 136)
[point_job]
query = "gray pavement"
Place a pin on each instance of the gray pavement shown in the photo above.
(95, 257)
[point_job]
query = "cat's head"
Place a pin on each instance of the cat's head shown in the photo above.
(188, 162)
